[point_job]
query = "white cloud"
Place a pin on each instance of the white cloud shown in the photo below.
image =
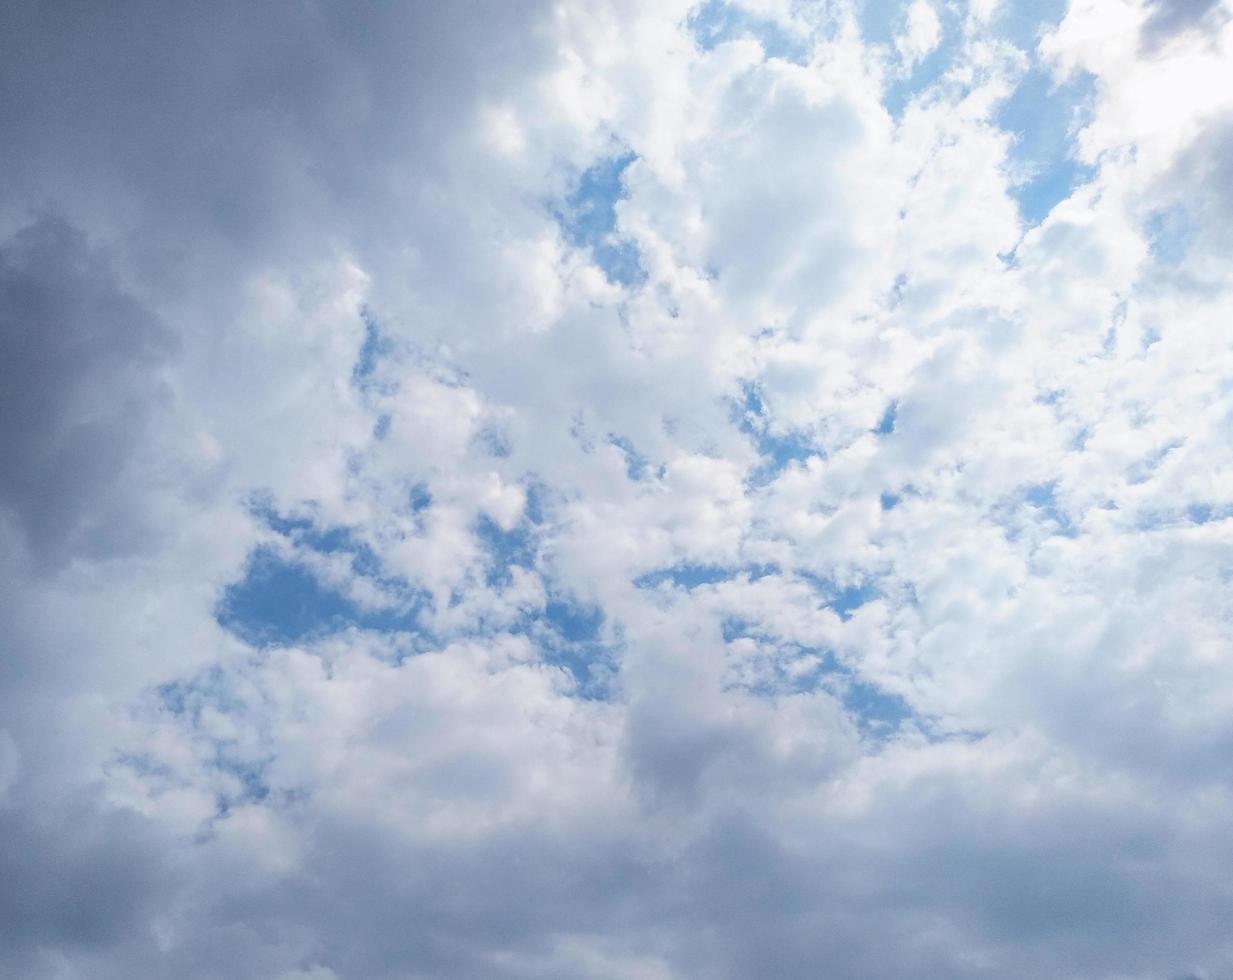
(922, 32)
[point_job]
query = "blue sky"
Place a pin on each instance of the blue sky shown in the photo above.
(621, 490)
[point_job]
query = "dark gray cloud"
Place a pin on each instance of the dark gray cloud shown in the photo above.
(928, 887)
(218, 134)
(78, 879)
(78, 362)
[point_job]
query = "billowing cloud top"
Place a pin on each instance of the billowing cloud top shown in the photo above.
(623, 490)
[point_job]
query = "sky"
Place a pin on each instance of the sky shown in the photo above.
(623, 490)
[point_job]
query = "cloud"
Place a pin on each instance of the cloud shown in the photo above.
(80, 388)
(1168, 18)
(921, 35)
(614, 490)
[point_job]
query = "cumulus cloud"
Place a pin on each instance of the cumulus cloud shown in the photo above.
(921, 33)
(611, 490)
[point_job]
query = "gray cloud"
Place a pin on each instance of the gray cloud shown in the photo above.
(78, 357)
(1169, 18)
(215, 135)
(78, 881)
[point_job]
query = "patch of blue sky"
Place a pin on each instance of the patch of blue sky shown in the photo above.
(505, 549)
(283, 524)
(1035, 506)
(280, 602)
(249, 776)
(932, 68)
(716, 22)
(1022, 22)
(1044, 116)
(1195, 513)
(895, 296)
(1041, 496)
(875, 711)
(886, 425)
(374, 347)
(1203, 512)
(187, 699)
(538, 499)
(737, 627)
(881, 20)
(419, 498)
(568, 633)
(779, 669)
(574, 621)
(778, 453)
(750, 411)
(846, 600)
(888, 500)
(636, 464)
(843, 600)
(1145, 468)
(777, 449)
(690, 576)
(366, 362)
(494, 442)
(588, 220)
(581, 433)
(304, 532)
(1169, 234)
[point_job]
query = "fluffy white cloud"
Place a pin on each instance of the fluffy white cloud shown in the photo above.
(922, 32)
